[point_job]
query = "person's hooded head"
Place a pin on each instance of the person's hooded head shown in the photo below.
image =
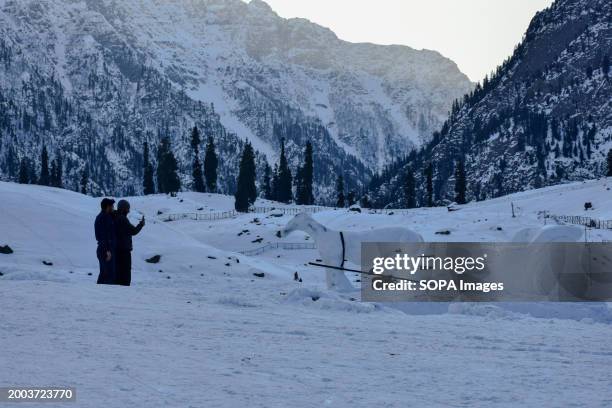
(106, 205)
(123, 207)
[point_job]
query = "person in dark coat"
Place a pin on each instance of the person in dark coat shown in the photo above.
(125, 231)
(105, 235)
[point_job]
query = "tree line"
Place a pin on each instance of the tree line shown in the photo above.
(278, 182)
(164, 179)
(49, 174)
(277, 185)
(168, 180)
(348, 199)
(410, 196)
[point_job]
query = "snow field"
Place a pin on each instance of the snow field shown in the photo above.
(206, 332)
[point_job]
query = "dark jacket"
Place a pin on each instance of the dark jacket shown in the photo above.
(125, 230)
(105, 232)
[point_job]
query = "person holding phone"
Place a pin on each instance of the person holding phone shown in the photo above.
(107, 242)
(125, 231)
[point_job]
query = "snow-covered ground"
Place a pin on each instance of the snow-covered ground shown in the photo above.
(199, 329)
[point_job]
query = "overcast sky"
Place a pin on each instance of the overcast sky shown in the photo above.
(477, 34)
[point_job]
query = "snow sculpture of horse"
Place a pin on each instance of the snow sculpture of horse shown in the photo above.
(332, 244)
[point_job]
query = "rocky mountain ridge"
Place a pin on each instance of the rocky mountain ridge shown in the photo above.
(543, 117)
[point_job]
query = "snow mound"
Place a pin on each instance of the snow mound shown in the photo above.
(482, 309)
(235, 301)
(584, 312)
(550, 233)
(329, 301)
(20, 274)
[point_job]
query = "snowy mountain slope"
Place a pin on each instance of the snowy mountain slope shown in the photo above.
(98, 78)
(95, 110)
(544, 117)
(259, 67)
(226, 338)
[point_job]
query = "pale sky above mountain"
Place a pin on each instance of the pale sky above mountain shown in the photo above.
(477, 34)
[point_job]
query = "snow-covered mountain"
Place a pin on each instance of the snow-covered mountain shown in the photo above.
(260, 69)
(95, 78)
(544, 117)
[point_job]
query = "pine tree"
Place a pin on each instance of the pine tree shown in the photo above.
(84, 180)
(460, 183)
(340, 192)
(198, 177)
(53, 178)
(299, 186)
(267, 180)
(45, 178)
(409, 189)
(285, 180)
(350, 198)
(365, 201)
(274, 186)
(520, 144)
(59, 175)
(304, 179)
(609, 163)
(429, 185)
(605, 64)
(32, 172)
(161, 165)
(11, 162)
(308, 175)
(24, 176)
(195, 138)
(167, 167)
(246, 192)
(210, 165)
(148, 185)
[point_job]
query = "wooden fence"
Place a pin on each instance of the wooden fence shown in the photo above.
(212, 216)
(287, 210)
(387, 211)
(279, 245)
(580, 220)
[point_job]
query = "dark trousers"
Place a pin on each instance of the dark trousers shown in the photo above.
(124, 267)
(107, 268)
